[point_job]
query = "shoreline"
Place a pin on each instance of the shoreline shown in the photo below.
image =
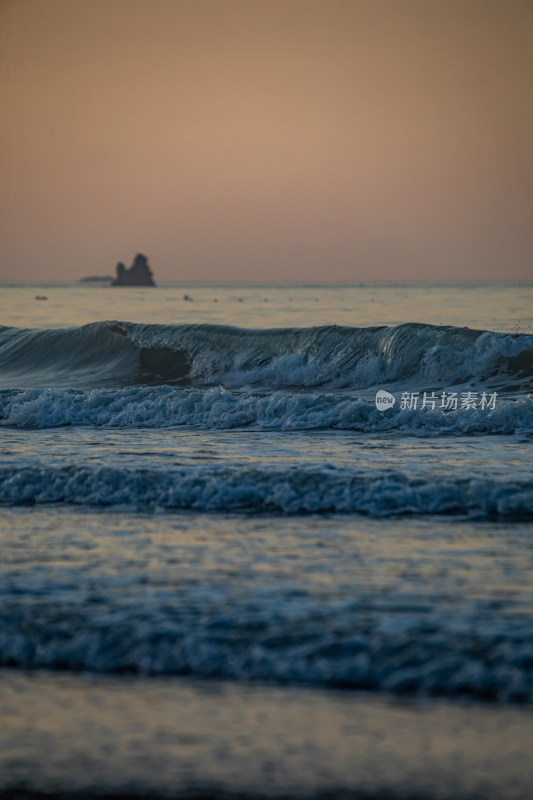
(79, 736)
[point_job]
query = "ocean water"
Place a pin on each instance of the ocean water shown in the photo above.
(204, 507)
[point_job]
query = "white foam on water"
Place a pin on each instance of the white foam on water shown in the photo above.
(218, 408)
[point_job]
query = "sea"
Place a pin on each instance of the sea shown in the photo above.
(266, 541)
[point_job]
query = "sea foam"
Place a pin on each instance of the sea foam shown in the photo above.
(219, 408)
(291, 490)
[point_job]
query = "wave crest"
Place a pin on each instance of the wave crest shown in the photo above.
(126, 354)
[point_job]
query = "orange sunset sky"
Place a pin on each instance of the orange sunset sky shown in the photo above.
(305, 140)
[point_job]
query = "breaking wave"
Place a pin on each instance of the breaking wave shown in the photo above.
(121, 354)
(207, 632)
(293, 490)
(221, 409)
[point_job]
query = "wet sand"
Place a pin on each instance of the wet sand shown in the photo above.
(64, 735)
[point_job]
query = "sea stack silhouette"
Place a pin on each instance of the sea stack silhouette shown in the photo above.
(139, 274)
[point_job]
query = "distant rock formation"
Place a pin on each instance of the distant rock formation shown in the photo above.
(139, 274)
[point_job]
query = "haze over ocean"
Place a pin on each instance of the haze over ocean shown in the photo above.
(304, 140)
(226, 570)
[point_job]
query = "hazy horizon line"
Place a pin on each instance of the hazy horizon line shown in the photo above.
(324, 284)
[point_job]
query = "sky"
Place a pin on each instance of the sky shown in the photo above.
(267, 140)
